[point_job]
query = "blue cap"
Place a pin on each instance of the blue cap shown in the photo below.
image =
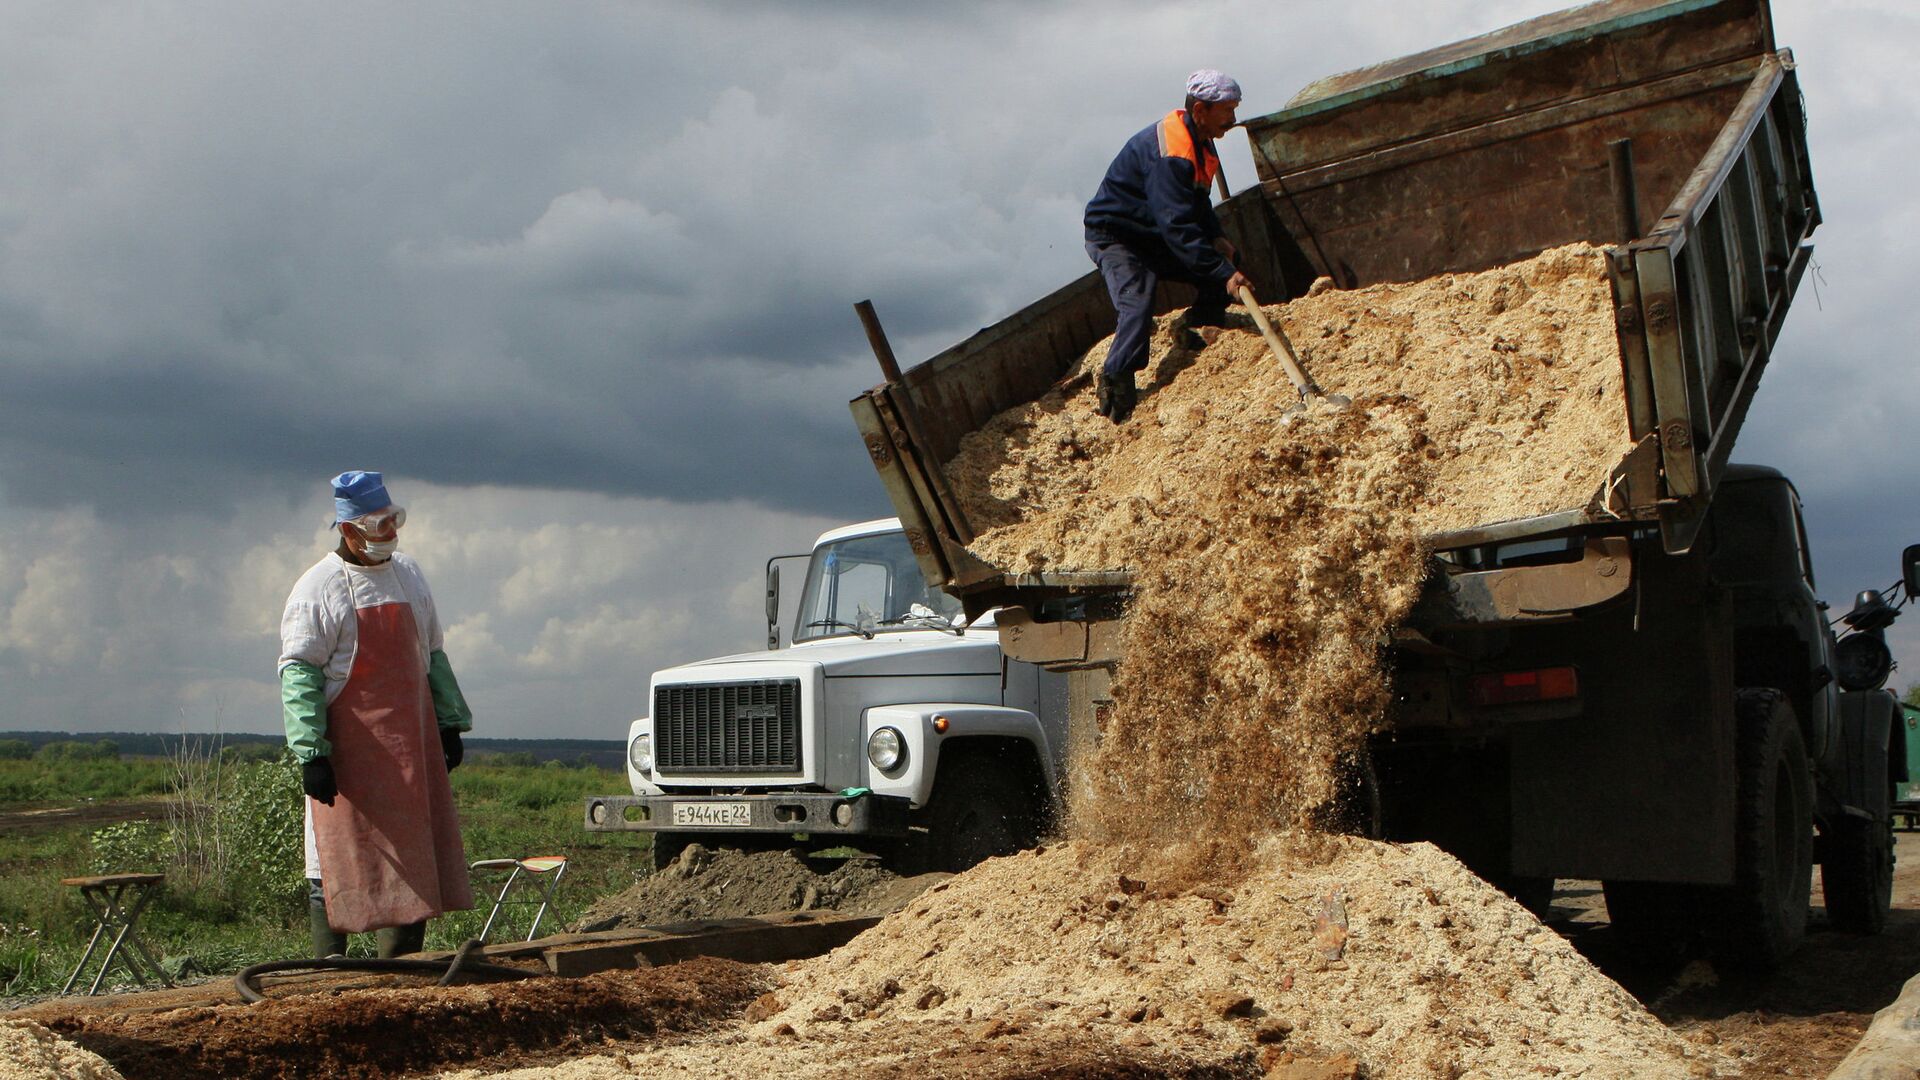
(357, 493)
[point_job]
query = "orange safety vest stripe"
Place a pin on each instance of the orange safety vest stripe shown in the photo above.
(1176, 141)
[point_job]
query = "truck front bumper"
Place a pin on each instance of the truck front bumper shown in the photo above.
(815, 813)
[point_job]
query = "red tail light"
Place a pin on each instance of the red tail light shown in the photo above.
(1514, 687)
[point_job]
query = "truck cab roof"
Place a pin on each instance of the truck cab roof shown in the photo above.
(862, 528)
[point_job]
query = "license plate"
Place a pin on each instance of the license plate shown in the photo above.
(714, 815)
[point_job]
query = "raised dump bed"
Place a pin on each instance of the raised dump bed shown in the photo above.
(1670, 133)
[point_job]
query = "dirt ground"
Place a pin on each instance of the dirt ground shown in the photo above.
(1799, 1021)
(397, 1032)
(24, 822)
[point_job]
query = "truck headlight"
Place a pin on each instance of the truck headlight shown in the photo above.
(640, 754)
(886, 749)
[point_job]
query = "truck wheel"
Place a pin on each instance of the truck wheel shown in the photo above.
(1765, 912)
(983, 806)
(1857, 874)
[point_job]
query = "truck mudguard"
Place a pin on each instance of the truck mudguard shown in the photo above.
(1865, 778)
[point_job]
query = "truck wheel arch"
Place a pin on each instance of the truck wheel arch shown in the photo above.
(993, 730)
(989, 799)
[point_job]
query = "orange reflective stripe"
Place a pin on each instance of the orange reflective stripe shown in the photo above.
(1177, 141)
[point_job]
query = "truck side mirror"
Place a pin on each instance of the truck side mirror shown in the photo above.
(773, 607)
(1910, 569)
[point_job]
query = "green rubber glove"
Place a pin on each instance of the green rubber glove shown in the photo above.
(303, 701)
(449, 704)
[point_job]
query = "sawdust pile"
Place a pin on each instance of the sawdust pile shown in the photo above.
(1379, 960)
(28, 1051)
(1271, 557)
(1395, 956)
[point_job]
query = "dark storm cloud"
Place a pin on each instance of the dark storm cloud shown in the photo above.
(543, 249)
(607, 249)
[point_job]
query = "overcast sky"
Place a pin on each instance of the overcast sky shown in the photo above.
(579, 278)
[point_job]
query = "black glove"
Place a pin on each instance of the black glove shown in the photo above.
(450, 746)
(316, 777)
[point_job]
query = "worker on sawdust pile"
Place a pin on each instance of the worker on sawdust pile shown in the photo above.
(1153, 219)
(374, 715)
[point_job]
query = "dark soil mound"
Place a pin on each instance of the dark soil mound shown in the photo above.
(722, 883)
(377, 1033)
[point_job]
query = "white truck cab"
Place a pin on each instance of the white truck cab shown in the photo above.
(889, 723)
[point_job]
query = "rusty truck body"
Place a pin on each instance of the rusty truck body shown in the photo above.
(1594, 692)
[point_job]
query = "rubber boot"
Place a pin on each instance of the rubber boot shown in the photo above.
(326, 940)
(401, 940)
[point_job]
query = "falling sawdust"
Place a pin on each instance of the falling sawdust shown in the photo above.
(28, 1051)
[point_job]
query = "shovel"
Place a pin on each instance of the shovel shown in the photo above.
(1283, 351)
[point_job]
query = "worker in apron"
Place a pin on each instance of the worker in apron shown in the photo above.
(374, 715)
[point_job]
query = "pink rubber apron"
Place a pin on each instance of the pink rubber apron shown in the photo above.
(389, 846)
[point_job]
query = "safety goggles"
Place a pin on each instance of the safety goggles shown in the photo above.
(380, 523)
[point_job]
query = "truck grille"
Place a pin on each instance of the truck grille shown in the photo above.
(737, 727)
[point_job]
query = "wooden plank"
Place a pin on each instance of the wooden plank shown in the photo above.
(768, 940)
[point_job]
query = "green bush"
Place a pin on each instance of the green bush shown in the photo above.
(260, 830)
(132, 847)
(15, 750)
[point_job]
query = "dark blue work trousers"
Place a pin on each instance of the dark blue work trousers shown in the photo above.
(1133, 270)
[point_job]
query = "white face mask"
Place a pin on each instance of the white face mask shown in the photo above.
(379, 551)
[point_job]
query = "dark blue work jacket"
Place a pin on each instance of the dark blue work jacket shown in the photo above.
(1157, 191)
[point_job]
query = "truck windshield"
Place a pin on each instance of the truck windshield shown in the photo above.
(863, 584)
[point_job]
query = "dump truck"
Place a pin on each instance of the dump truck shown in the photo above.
(883, 719)
(1642, 689)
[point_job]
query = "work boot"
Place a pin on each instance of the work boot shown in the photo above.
(326, 940)
(1193, 337)
(401, 940)
(1117, 396)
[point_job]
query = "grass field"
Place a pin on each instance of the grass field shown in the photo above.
(234, 894)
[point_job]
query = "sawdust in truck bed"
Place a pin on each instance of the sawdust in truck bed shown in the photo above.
(1510, 376)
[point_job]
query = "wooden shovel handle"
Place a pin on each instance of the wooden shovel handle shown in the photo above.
(1282, 348)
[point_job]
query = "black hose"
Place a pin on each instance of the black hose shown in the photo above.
(461, 965)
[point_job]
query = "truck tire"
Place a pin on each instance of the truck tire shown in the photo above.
(984, 805)
(1857, 874)
(1763, 916)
